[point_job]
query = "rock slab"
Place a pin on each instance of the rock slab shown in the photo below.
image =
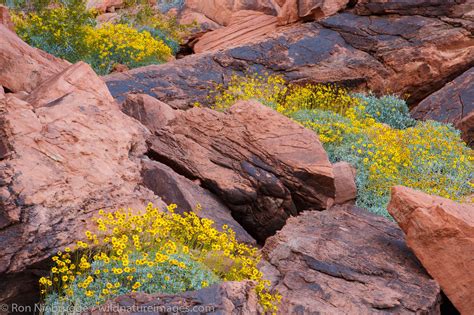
(406, 55)
(441, 233)
(227, 298)
(451, 104)
(347, 261)
(22, 67)
(177, 189)
(261, 164)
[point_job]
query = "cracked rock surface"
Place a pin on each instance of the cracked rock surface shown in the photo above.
(408, 55)
(261, 164)
(454, 103)
(347, 261)
(67, 151)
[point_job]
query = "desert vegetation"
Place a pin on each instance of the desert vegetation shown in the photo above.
(142, 35)
(375, 134)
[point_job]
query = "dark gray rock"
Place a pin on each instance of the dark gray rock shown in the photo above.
(347, 261)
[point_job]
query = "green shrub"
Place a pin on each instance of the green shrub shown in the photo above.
(59, 31)
(67, 30)
(387, 109)
(150, 252)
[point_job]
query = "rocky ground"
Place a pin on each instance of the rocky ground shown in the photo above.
(73, 143)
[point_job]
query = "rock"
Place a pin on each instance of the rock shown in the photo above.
(221, 11)
(246, 26)
(70, 153)
(295, 10)
(22, 67)
(452, 8)
(454, 12)
(441, 234)
(451, 104)
(233, 298)
(411, 55)
(105, 5)
(262, 165)
(344, 180)
(109, 17)
(466, 125)
(5, 18)
(177, 189)
(347, 261)
(148, 110)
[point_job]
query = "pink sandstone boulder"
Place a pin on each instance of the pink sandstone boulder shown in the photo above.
(441, 234)
(23, 67)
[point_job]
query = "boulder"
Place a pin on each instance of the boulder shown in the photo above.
(452, 8)
(232, 298)
(347, 261)
(441, 234)
(261, 164)
(70, 152)
(412, 55)
(105, 5)
(466, 125)
(245, 26)
(287, 11)
(23, 67)
(5, 18)
(451, 104)
(221, 11)
(188, 195)
(308, 10)
(344, 180)
(148, 110)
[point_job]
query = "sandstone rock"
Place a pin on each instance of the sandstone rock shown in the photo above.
(5, 18)
(22, 67)
(109, 17)
(70, 152)
(295, 10)
(105, 5)
(441, 233)
(246, 26)
(262, 165)
(347, 261)
(233, 298)
(451, 104)
(466, 125)
(412, 55)
(221, 11)
(344, 180)
(203, 22)
(177, 189)
(148, 110)
(453, 8)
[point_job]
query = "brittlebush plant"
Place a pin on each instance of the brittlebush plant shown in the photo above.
(67, 30)
(376, 135)
(119, 43)
(150, 252)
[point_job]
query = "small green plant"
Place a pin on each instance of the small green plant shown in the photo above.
(150, 252)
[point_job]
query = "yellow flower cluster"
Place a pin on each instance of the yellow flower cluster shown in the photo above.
(429, 157)
(273, 90)
(325, 97)
(120, 43)
(125, 243)
(268, 89)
